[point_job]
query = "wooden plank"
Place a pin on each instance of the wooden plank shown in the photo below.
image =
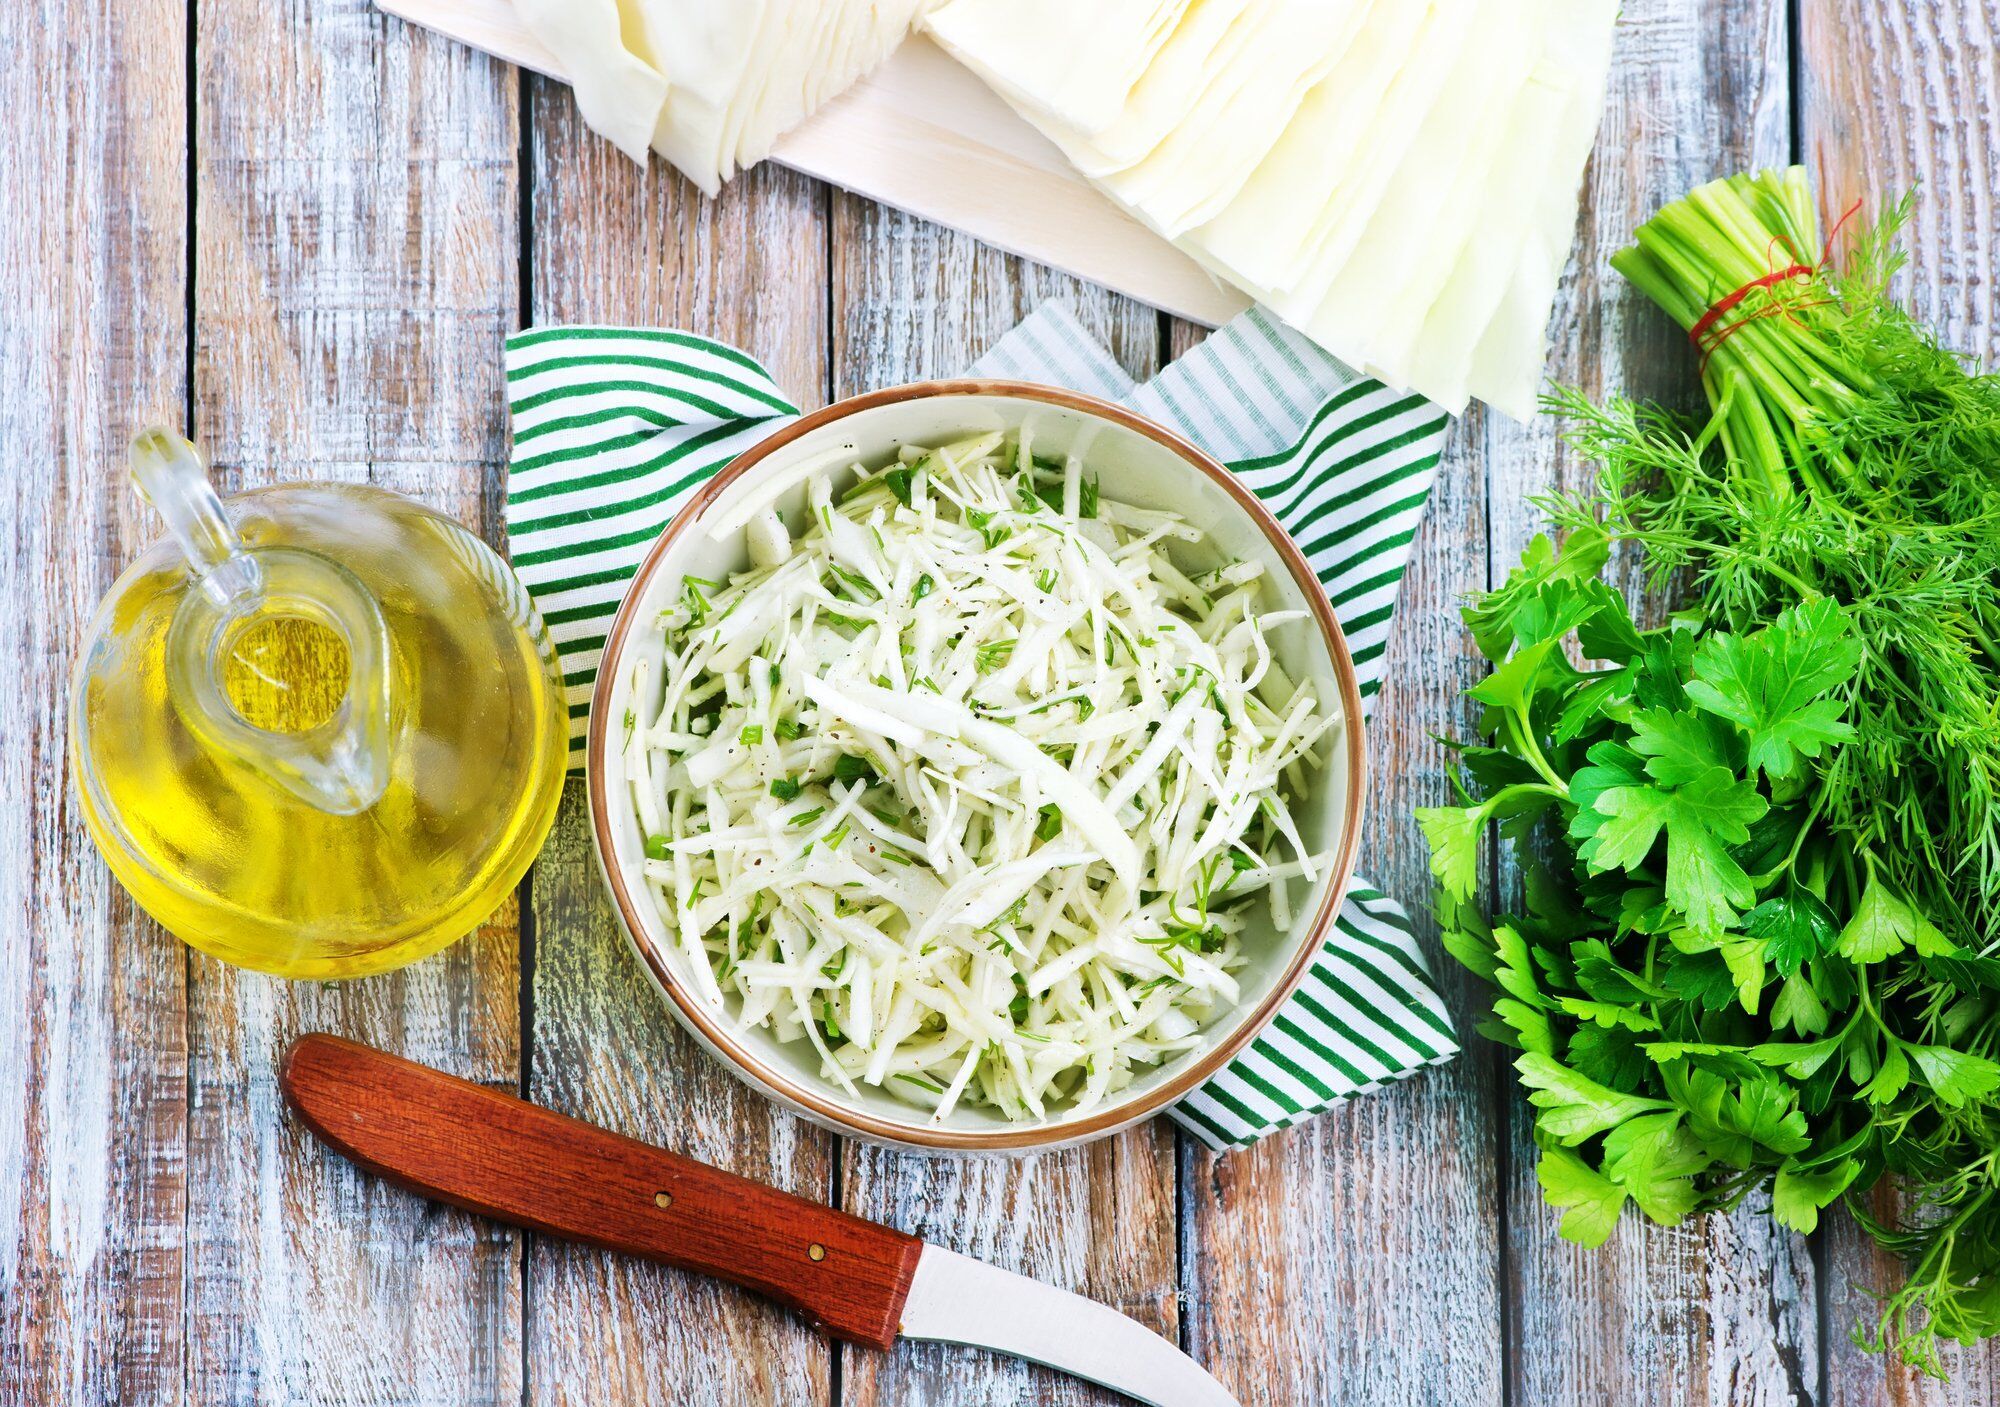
(1308, 1277)
(913, 300)
(1355, 1258)
(354, 272)
(613, 243)
(1857, 1272)
(1894, 95)
(93, 1108)
(1720, 1310)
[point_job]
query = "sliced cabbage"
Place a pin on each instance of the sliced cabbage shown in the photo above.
(1191, 175)
(1413, 243)
(970, 788)
(1439, 350)
(618, 92)
(1397, 179)
(1073, 61)
(712, 84)
(1268, 234)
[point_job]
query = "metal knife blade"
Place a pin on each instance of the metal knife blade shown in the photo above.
(957, 1299)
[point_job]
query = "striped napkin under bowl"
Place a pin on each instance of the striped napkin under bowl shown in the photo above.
(614, 428)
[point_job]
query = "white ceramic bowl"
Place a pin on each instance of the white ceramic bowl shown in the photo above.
(1138, 462)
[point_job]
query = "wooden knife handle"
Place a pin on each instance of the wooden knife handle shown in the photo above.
(502, 1157)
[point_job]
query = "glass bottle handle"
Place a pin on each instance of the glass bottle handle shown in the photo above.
(169, 474)
(341, 766)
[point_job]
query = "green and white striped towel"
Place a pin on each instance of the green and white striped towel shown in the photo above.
(615, 427)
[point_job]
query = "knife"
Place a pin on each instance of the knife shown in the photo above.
(502, 1157)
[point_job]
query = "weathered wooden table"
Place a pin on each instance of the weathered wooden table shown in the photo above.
(304, 229)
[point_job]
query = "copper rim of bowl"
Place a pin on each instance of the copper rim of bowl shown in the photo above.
(813, 1098)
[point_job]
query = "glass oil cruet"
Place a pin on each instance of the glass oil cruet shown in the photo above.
(318, 730)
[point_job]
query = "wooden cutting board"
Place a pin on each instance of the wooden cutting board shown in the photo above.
(924, 135)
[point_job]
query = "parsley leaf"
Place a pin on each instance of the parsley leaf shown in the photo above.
(1733, 1120)
(1612, 766)
(1453, 833)
(1702, 980)
(1798, 1007)
(1883, 925)
(1587, 704)
(1598, 972)
(1610, 1057)
(1491, 617)
(1798, 1197)
(1654, 1158)
(1660, 673)
(1891, 1077)
(1608, 633)
(1701, 820)
(1956, 1076)
(1795, 928)
(1591, 1201)
(1514, 680)
(1680, 747)
(1573, 1108)
(1774, 684)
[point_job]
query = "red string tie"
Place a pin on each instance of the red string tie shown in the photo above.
(1710, 332)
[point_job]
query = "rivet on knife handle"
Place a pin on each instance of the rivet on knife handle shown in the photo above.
(502, 1157)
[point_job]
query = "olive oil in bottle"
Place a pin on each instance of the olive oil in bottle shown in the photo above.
(320, 732)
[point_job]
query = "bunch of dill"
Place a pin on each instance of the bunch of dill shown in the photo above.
(1848, 456)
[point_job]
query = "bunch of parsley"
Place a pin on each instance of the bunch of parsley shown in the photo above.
(1712, 989)
(1760, 843)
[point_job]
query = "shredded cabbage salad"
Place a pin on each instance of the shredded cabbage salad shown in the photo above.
(969, 785)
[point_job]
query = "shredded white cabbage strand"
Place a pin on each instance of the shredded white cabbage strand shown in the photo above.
(969, 785)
